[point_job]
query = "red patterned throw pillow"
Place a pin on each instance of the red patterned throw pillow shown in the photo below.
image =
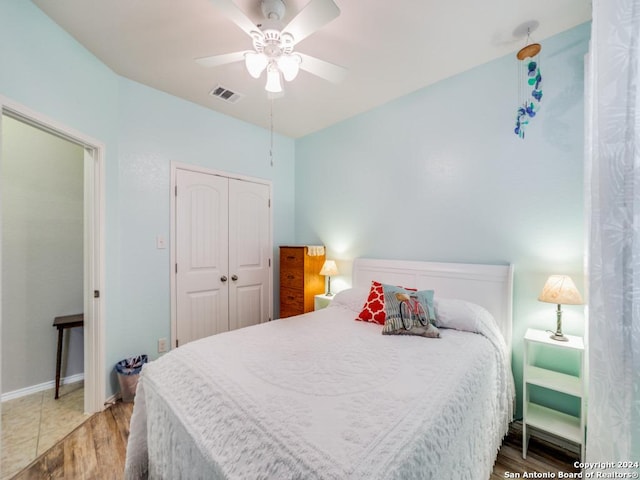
(373, 309)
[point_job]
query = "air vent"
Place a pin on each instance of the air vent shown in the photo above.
(225, 94)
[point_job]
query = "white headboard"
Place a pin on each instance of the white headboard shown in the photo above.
(490, 286)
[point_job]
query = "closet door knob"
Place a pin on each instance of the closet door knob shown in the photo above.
(234, 278)
(223, 278)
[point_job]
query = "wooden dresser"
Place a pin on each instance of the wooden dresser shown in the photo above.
(300, 280)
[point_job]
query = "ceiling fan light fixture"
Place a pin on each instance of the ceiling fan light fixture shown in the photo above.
(274, 85)
(274, 42)
(289, 65)
(255, 63)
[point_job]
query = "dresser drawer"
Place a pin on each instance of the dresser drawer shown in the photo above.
(291, 302)
(291, 277)
(292, 257)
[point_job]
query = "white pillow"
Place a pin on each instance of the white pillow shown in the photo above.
(351, 298)
(462, 315)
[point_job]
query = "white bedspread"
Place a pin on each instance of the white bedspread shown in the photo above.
(322, 396)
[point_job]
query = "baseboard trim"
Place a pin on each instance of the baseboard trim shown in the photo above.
(112, 399)
(23, 392)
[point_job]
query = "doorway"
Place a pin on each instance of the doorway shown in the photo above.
(91, 245)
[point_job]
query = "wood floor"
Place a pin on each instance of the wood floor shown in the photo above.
(96, 450)
(542, 457)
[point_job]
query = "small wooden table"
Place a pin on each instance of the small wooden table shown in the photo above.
(62, 323)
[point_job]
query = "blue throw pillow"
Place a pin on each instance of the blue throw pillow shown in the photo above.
(409, 312)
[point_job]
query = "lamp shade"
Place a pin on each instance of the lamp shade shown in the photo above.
(289, 65)
(561, 290)
(273, 79)
(329, 268)
(255, 63)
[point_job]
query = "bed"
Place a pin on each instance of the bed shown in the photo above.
(321, 396)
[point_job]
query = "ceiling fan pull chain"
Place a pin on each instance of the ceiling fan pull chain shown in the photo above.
(271, 131)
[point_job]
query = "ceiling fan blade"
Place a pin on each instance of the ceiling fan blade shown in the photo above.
(236, 15)
(217, 60)
(315, 15)
(322, 69)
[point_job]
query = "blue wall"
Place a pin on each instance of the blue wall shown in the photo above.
(155, 128)
(47, 71)
(440, 175)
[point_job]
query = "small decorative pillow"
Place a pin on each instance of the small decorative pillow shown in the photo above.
(373, 309)
(409, 312)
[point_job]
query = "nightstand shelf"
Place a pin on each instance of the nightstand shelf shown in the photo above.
(552, 421)
(557, 423)
(560, 382)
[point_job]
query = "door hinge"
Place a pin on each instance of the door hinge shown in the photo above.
(176, 268)
(176, 343)
(269, 263)
(96, 294)
(175, 192)
(269, 202)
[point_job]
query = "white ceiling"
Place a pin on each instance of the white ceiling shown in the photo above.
(390, 48)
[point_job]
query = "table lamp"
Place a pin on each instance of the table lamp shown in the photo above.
(329, 268)
(561, 290)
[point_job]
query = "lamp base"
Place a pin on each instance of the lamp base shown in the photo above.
(558, 336)
(328, 294)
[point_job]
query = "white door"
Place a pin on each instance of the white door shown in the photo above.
(249, 253)
(222, 251)
(202, 286)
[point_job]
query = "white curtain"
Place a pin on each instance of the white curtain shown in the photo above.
(613, 209)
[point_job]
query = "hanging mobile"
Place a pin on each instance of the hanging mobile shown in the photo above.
(529, 70)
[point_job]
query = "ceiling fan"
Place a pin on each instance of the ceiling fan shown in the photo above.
(274, 42)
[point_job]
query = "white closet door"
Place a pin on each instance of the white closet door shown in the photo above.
(249, 253)
(202, 284)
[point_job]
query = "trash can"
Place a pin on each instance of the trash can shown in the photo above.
(128, 371)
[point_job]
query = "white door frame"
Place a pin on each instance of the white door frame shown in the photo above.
(194, 168)
(94, 337)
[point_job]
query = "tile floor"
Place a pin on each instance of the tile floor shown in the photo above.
(34, 423)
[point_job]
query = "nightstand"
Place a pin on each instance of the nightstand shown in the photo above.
(322, 301)
(544, 418)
